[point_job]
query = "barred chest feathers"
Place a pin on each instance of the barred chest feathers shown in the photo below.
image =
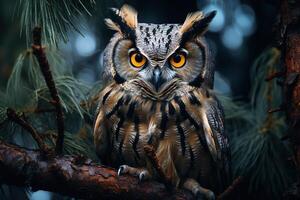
(174, 121)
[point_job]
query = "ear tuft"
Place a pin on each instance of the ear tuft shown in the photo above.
(123, 21)
(196, 25)
(112, 25)
(129, 15)
(190, 20)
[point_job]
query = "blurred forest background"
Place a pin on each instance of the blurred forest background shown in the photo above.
(241, 38)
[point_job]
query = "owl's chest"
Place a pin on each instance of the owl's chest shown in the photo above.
(132, 126)
(173, 127)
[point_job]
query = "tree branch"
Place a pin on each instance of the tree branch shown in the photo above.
(274, 75)
(81, 178)
(39, 52)
(67, 176)
(12, 115)
(231, 189)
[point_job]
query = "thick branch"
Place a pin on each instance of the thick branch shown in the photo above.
(39, 52)
(67, 176)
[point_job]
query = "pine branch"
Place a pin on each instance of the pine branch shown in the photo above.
(39, 52)
(274, 75)
(231, 189)
(12, 115)
(75, 177)
(55, 17)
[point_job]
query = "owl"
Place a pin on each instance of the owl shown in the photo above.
(158, 92)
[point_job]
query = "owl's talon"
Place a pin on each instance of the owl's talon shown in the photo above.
(119, 171)
(141, 177)
(144, 175)
(200, 192)
(122, 170)
(141, 173)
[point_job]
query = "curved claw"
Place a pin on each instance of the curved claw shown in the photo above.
(141, 176)
(200, 192)
(121, 169)
(144, 175)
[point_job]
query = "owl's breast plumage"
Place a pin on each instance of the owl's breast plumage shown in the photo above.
(131, 117)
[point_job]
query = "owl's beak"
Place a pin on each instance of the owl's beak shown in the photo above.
(157, 80)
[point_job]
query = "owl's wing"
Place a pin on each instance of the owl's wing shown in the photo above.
(215, 117)
(101, 140)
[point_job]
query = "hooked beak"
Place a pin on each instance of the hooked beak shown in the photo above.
(157, 80)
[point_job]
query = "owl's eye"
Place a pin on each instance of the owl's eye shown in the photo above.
(178, 60)
(137, 60)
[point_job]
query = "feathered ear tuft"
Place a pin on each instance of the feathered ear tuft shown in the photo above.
(124, 20)
(129, 15)
(189, 21)
(195, 24)
(112, 25)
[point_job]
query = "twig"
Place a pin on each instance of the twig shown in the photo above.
(12, 115)
(39, 52)
(150, 153)
(274, 75)
(273, 110)
(230, 189)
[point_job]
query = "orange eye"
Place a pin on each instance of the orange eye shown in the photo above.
(178, 60)
(137, 60)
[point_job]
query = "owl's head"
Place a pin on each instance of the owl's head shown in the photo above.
(158, 53)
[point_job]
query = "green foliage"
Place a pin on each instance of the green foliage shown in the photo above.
(71, 93)
(258, 153)
(3, 108)
(237, 116)
(27, 91)
(56, 17)
(74, 144)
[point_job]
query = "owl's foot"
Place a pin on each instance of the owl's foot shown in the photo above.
(142, 173)
(200, 192)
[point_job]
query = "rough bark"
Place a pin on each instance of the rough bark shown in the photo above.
(72, 176)
(289, 42)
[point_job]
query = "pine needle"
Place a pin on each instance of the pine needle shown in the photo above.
(55, 17)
